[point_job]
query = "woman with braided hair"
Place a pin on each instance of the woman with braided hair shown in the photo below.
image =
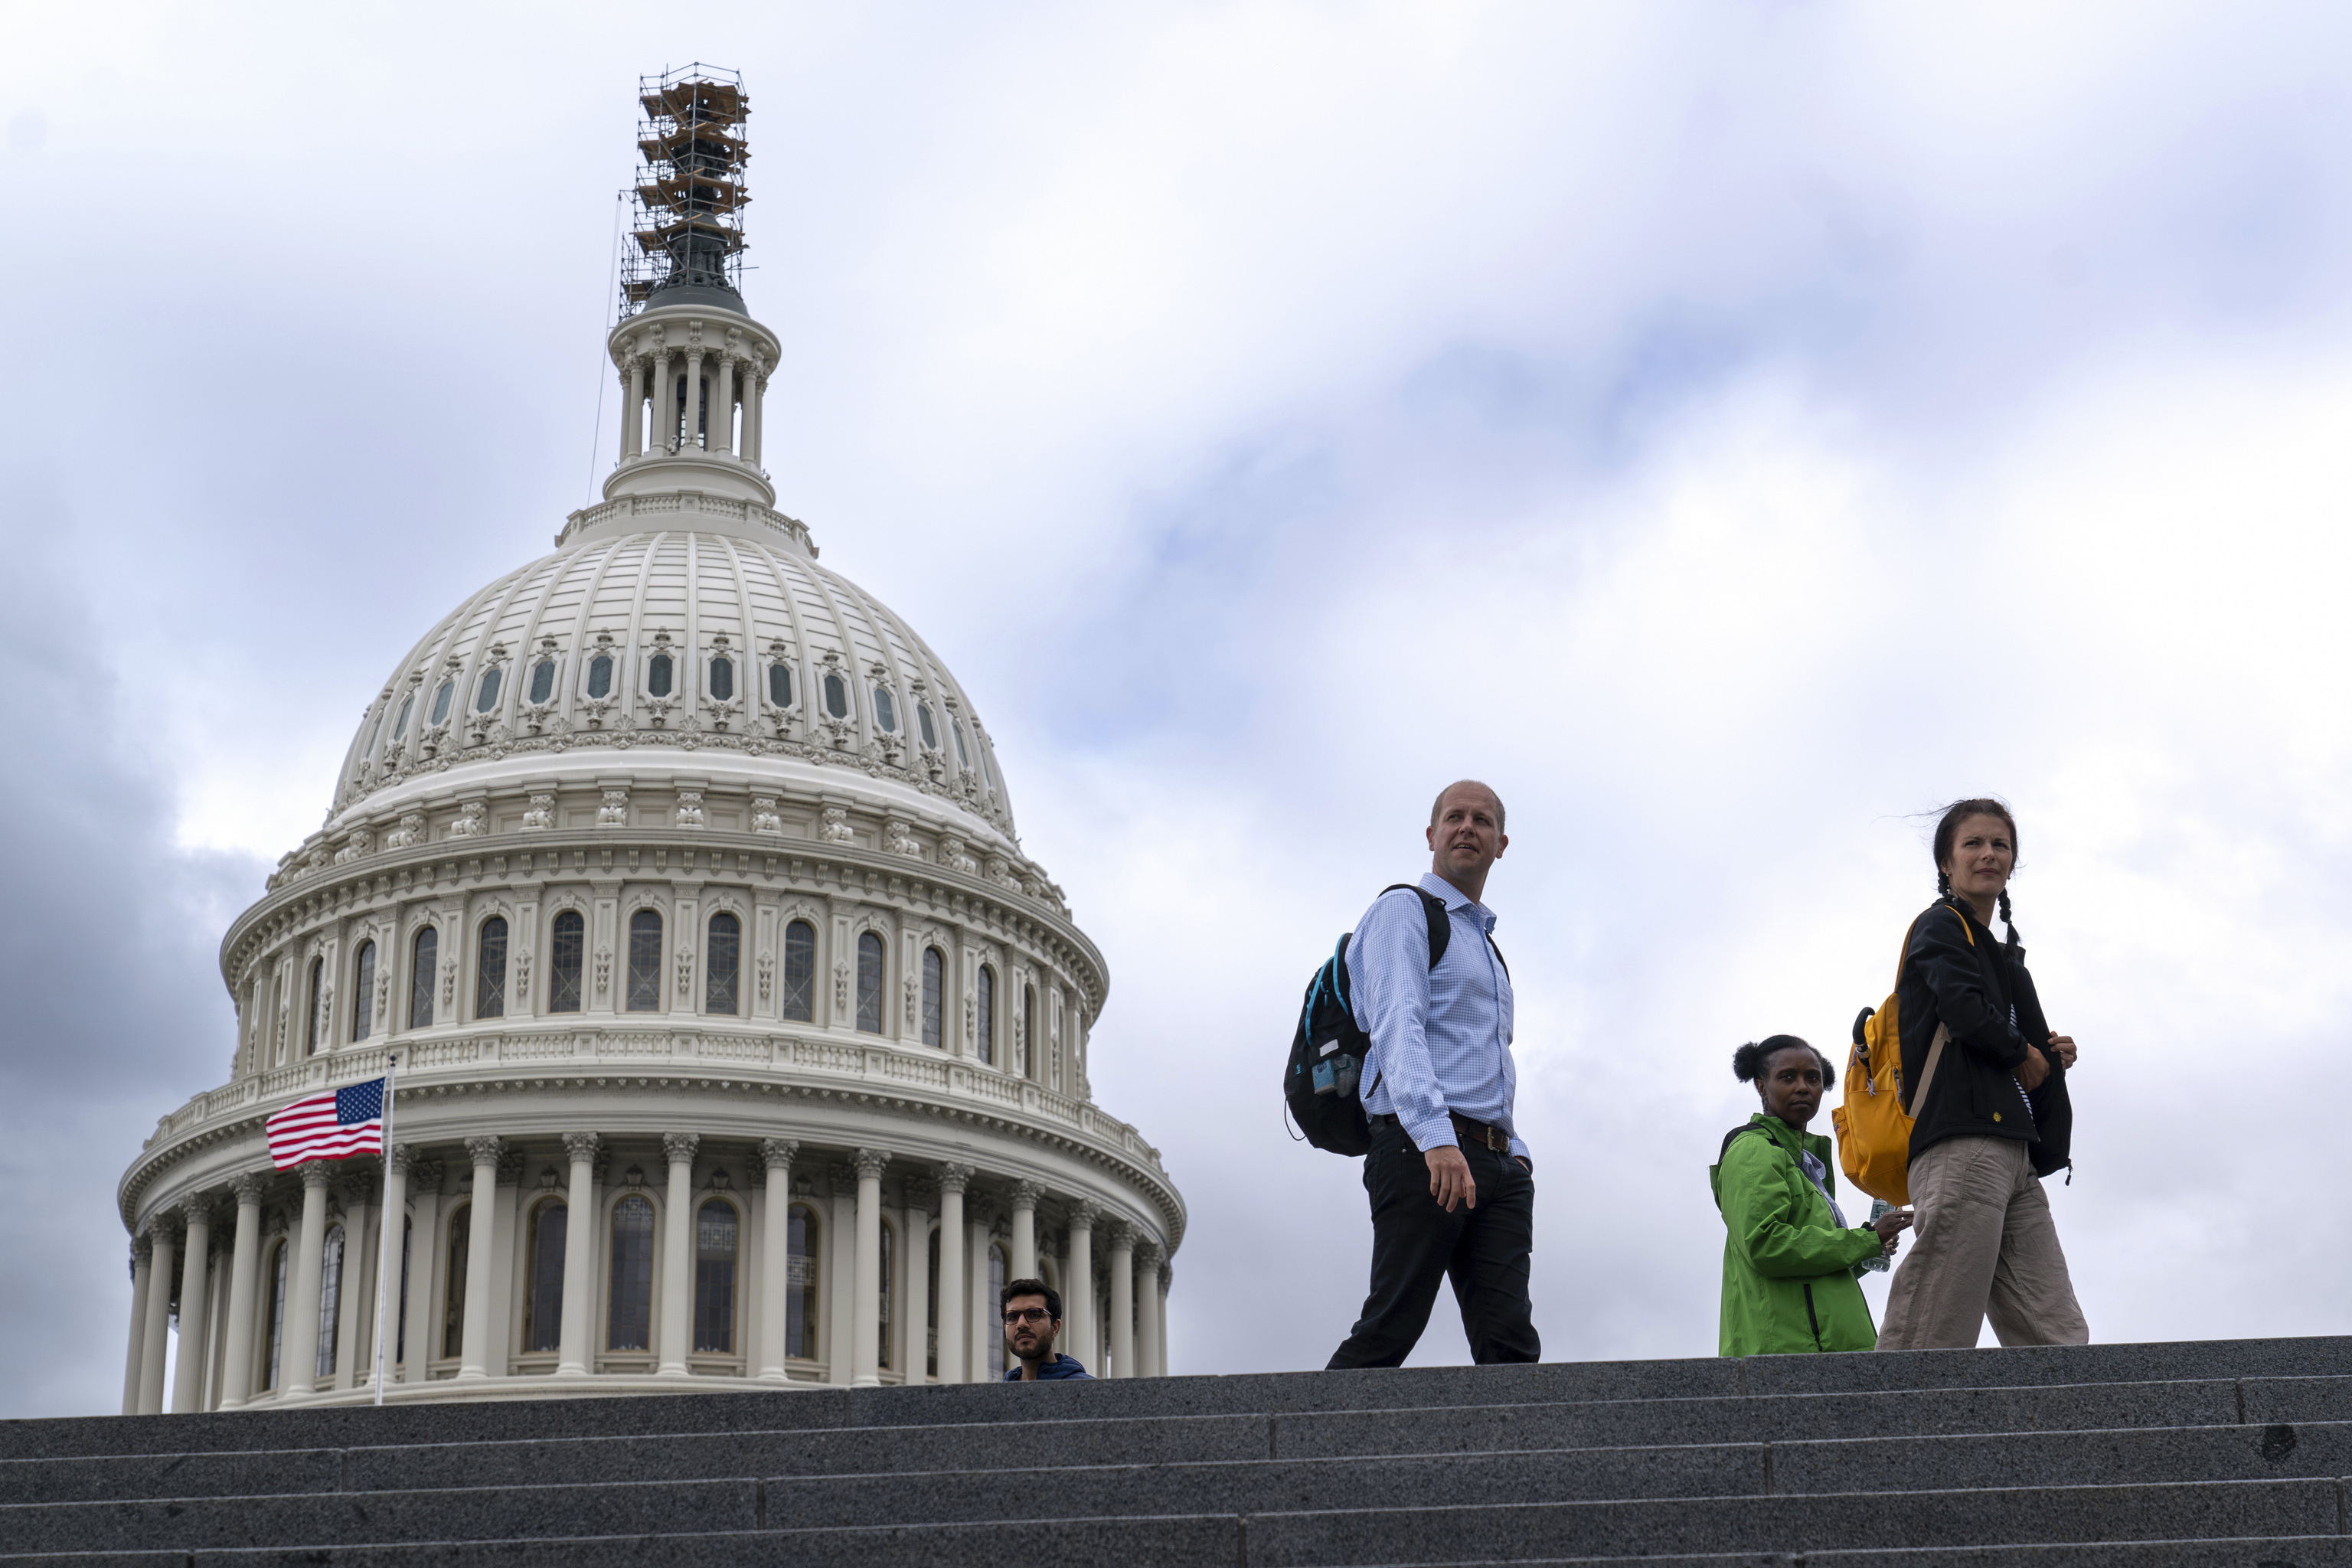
(1991, 1118)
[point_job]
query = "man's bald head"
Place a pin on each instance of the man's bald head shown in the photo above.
(1437, 807)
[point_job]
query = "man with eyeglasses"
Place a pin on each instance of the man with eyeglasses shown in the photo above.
(1033, 1317)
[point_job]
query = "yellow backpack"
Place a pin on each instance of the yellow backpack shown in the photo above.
(1873, 1125)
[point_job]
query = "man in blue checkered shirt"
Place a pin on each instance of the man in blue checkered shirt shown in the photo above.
(1451, 1183)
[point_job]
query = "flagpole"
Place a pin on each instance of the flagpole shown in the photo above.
(384, 1261)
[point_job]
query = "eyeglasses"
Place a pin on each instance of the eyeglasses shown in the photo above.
(1020, 1315)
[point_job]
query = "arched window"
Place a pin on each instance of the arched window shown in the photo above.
(995, 1335)
(453, 1298)
(723, 964)
(441, 702)
(882, 1304)
(330, 1300)
(714, 1278)
(930, 730)
(600, 676)
(543, 681)
(964, 757)
(490, 969)
(645, 961)
(869, 983)
(985, 1046)
(886, 712)
(542, 1285)
(314, 1029)
(1029, 1052)
(836, 695)
(400, 725)
(658, 675)
(571, 944)
(932, 1313)
(800, 971)
(630, 1313)
(425, 957)
(780, 684)
(802, 1231)
(722, 679)
(276, 1331)
(363, 992)
(375, 728)
(935, 982)
(486, 695)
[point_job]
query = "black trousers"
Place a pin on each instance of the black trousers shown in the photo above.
(1483, 1251)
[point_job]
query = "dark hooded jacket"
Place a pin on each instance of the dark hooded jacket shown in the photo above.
(1955, 972)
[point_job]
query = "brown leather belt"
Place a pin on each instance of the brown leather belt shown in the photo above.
(1480, 1133)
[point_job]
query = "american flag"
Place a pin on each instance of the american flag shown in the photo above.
(335, 1125)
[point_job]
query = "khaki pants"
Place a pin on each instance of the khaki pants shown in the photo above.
(1983, 1244)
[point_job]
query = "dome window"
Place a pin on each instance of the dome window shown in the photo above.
(400, 725)
(658, 675)
(885, 712)
(780, 685)
(964, 757)
(374, 730)
(486, 695)
(930, 730)
(722, 679)
(441, 702)
(837, 696)
(543, 681)
(600, 676)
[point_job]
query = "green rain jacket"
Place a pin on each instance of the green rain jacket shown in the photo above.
(1788, 1270)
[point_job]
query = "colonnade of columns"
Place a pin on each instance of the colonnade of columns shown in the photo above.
(221, 1295)
(713, 387)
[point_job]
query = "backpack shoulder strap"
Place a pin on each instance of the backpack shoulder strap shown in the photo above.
(1755, 1127)
(1432, 908)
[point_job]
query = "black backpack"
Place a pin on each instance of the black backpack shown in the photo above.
(1328, 1051)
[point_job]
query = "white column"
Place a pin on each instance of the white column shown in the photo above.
(755, 390)
(386, 1258)
(695, 415)
(411, 1343)
(1165, 1280)
(915, 1289)
(841, 1273)
(579, 1255)
(984, 1320)
(678, 1247)
(775, 1257)
(1025, 1230)
(866, 1302)
(188, 1381)
(155, 1343)
(1078, 1289)
(1148, 1359)
(143, 1272)
(481, 1259)
(1121, 1341)
(216, 1342)
(237, 1364)
(665, 404)
(633, 412)
(353, 1343)
(722, 407)
(297, 1368)
(954, 1298)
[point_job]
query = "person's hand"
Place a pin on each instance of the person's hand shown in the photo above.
(1889, 1225)
(2062, 1048)
(1449, 1177)
(2034, 1070)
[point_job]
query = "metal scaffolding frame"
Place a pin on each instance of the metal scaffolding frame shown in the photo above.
(687, 206)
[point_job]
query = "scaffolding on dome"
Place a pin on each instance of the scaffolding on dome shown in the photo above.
(688, 226)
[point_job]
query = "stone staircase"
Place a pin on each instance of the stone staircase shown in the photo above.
(2224, 1453)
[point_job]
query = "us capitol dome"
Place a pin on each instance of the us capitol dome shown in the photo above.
(737, 1043)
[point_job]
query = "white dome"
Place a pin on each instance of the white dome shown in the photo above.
(676, 624)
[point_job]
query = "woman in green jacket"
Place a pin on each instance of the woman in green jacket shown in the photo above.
(1790, 1260)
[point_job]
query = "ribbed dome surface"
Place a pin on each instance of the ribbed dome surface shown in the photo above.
(677, 638)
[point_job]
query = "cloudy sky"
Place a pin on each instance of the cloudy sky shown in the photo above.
(1731, 430)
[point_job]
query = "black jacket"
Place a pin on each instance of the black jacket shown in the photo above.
(1984, 992)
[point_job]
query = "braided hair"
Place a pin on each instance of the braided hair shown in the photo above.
(1947, 830)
